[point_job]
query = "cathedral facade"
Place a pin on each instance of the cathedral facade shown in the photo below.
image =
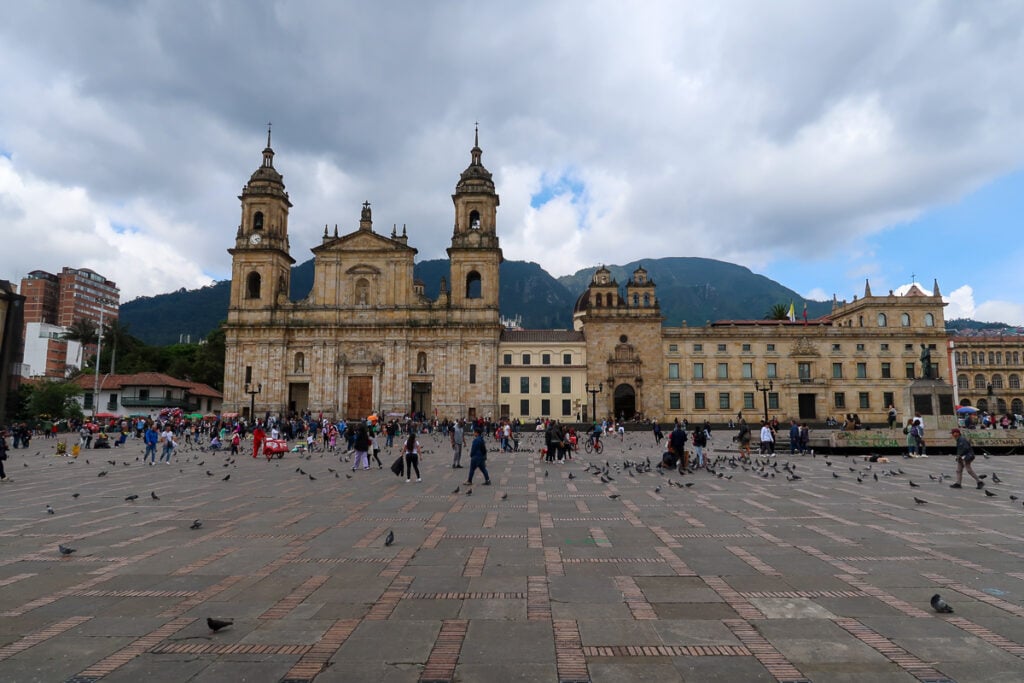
(366, 339)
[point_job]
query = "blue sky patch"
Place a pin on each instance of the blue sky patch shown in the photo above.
(556, 186)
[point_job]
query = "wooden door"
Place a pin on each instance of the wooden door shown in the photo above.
(360, 398)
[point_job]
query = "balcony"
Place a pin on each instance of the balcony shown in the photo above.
(150, 402)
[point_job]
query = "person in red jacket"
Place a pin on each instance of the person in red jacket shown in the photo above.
(258, 436)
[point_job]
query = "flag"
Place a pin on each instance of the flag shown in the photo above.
(792, 313)
(805, 313)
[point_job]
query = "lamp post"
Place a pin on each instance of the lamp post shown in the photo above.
(764, 394)
(593, 397)
(252, 391)
(99, 349)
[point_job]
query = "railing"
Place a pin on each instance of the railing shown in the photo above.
(158, 402)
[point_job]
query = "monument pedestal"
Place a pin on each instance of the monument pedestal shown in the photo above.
(932, 399)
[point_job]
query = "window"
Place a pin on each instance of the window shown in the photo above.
(567, 385)
(962, 382)
(837, 371)
(112, 402)
(723, 371)
(748, 371)
(803, 371)
(773, 400)
(674, 402)
(862, 370)
(257, 220)
(840, 399)
(524, 407)
(506, 385)
(474, 285)
(999, 357)
(888, 399)
(698, 348)
(884, 347)
(908, 347)
(836, 347)
(991, 358)
(772, 370)
(507, 359)
(721, 348)
(566, 359)
(545, 359)
(909, 369)
(673, 348)
(524, 385)
(745, 348)
(87, 400)
(474, 220)
(1015, 381)
(748, 400)
(887, 372)
(566, 407)
(526, 359)
(698, 401)
(979, 382)
(673, 370)
(143, 394)
(723, 400)
(860, 347)
(545, 386)
(929, 320)
(300, 362)
(997, 381)
(248, 374)
(545, 406)
(864, 399)
(905, 320)
(882, 320)
(472, 373)
(771, 347)
(698, 371)
(252, 285)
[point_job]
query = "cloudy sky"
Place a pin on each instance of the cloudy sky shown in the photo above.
(816, 143)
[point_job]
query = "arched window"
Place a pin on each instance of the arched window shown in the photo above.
(636, 300)
(999, 357)
(991, 358)
(1017, 406)
(979, 382)
(474, 285)
(905, 320)
(362, 292)
(474, 220)
(1014, 381)
(965, 401)
(647, 299)
(974, 357)
(963, 382)
(1016, 358)
(860, 321)
(597, 301)
(257, 220)
(997, 381)
(956, 357)
(252, 285)
(300, 362)
(882, 320)
(929, 320)
(1000, 406)
(608, 300)
(982, 404)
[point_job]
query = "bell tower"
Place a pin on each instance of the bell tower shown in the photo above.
(261, 264)
(475, 254)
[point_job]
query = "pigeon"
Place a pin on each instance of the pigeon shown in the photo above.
(152, 494)
(228, 476)
(504, 496)
(132, 498)
(196, 525)
(572, 476)
(657, 489)
(457, 489)
(66, 550)
(217, 624)
(209, 473)
(545, 473)
(1013, 497)
(919, 501)
(312, 478)
(913, 485)
(469, 492)
(688, 484)
(996, 479)
(49, 510)
(390, 538)
(989, 494)
(101, 473)
(940, 605)
(75, 495)
(614, 496)
(835, 476)
(876, 476)
(348, 476)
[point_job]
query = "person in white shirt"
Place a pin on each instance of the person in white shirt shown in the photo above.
(767, 439)
(167, 438)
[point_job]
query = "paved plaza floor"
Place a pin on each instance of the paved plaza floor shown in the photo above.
(549, 574)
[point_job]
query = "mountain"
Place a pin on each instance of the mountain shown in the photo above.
(690, 289)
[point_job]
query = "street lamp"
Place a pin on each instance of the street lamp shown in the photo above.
(593, 397)
(764, 394)
(252, 391)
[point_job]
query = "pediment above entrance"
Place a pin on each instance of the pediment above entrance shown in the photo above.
(362, 240)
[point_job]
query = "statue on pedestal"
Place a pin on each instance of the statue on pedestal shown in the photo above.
(926, 362)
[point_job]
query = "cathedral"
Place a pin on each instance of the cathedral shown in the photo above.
(367, 340)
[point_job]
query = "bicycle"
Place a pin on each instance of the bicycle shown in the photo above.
(593, 445)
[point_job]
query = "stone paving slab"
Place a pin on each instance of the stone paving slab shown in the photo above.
(748, 576)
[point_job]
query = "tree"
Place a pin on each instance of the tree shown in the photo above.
(54, 400)
(84, 332)
(116, 337)
(777, 312)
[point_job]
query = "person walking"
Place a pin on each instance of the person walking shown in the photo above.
(412, 458)
(374, 451)
(911, 440)
(478, 457)
(258, 437)
(743, 439)
(657, 434)
(458, 439)
(151, 437)
(167, 436)
(767, 440)
(700, 441)
(964, 458)
(361, 446)
(892, 416)
(3, 456)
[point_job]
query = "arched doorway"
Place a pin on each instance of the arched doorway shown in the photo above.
(624, 401)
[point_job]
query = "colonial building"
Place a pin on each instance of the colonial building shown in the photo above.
(144, 394)
(988, 371)
(366, 338)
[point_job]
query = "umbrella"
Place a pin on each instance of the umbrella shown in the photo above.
(966, 409)
(195, 416)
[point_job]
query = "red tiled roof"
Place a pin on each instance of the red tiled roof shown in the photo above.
(139, 379)
(199, 389)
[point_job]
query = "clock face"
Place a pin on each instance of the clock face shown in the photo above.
(255, 239)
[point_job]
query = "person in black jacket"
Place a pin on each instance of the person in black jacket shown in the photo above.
(478, 457)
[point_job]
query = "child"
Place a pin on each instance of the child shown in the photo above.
(236, 440)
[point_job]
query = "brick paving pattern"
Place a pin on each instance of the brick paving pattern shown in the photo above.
(743, 577)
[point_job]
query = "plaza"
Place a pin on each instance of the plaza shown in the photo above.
(786, 573)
